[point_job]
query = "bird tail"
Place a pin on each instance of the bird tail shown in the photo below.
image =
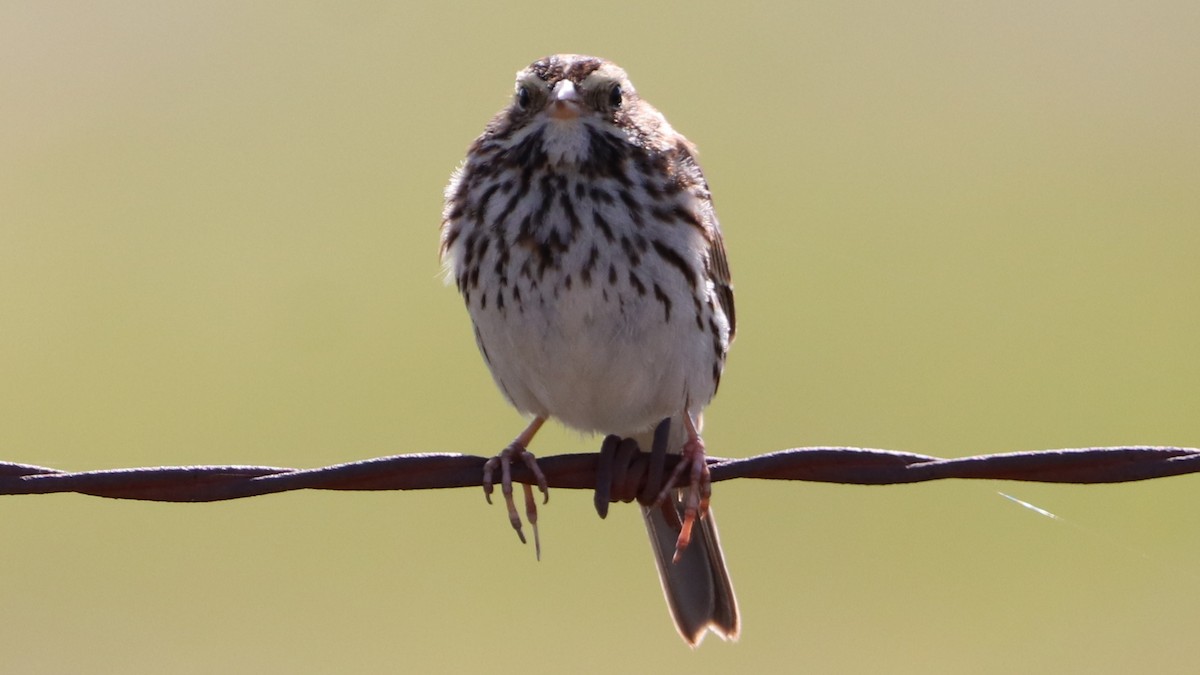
(697, 587)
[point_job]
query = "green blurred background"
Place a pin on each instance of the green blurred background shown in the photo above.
(955, 228)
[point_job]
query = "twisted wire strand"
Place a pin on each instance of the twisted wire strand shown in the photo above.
(630, 472)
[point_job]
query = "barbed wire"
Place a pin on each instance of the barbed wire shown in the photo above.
(623, 476)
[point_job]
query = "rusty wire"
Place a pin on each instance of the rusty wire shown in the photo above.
(858, 466)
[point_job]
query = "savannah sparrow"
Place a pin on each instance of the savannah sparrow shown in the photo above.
(581, 235)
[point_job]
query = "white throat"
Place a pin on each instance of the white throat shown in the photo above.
(565, 141)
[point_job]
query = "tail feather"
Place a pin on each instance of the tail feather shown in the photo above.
(697, 588)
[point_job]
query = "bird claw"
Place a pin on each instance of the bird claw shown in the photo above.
(697, 493)
(504, 460)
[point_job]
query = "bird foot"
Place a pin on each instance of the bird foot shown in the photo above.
(504, 460)
(697, 492)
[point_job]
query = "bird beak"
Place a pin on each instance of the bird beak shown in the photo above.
(567, 104)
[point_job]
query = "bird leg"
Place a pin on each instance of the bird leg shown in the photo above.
(699, 487)
(517, 450)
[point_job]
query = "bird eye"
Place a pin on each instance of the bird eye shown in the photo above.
(523, 98)
(615, 96)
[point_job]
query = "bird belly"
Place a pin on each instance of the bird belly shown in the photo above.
(599, 355)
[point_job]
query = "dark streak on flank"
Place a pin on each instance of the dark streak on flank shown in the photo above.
(630, 252)
(635, 208)
(501, 267)
(605, 228)
(636, 283)
(601, 195)
(718, 348)
(481, 215)
(691, 218)
(666, 302)
(672, 257)
(585, 274)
